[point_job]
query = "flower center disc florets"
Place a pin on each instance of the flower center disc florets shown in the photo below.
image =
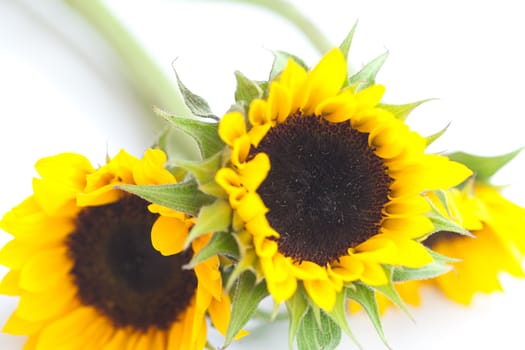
(326, 188)
(117, 270)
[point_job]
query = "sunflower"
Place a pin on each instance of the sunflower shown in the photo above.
(498, 227)
(497, 245)
(327, 183)
(84, 267)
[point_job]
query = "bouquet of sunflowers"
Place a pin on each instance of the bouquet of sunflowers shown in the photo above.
(310, 192)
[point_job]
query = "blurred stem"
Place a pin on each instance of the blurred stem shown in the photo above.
(150, 82)
(291, 13)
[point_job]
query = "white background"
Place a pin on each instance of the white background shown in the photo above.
(63, 89)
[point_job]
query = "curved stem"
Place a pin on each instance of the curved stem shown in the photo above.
(151, 83)
(298, 19)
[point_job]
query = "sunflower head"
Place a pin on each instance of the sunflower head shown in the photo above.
(494, 227)
(328, 183)
(84, 266)
(497, 228)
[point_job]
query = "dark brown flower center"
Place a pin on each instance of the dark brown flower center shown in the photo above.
(326, 188)
(118, 272)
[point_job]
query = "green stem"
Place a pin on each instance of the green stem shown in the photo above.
(150, 82)
(294, 16)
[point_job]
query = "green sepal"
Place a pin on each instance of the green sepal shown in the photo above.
(297, 307)
(431, 138)
(196, 104)
(314, 335)
(440, 221)
(221, 243)
(202, 170)
(177, 144)
(247, 90)
(204, 133)
(338, 315)
(184, 197)
(215, 217)
(438, 267)
(213, 189)
(484, 167)
(280, 60)
(367, 75)
(245, 298)
(391, 293)
(403, 111)
(365, 296)
(347, 42)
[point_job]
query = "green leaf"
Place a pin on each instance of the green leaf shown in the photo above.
(403, 111)
(347, 42)
(312, 335)
(204, 170)
(280, 59)
(178, 144)
(221, 243)
(205, 133)
(438, 267)
(390, 292)
(431, 138)
(484, 167)
(215, 217)
(247, 295)
(247, 90)
(366, 298)
(184, 197)
(440, 221)
(367, 75)
(338, 314)
(197, 105)
(297, 307)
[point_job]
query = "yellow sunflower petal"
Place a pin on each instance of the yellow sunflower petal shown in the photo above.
(338, 108)
(232, 127)
(152, 169)
(240, 150)
(369, 97)
(66, 329)
(373, 274)
(407, 206)
(45, 269)
(282, 290)
(44, 305)
(251, 206)
(293, 77)
(279, 102)
(322, 292)
(19, 326)
(25, 222)
(10, 283)
(14, 253)
(168, 235)
(412, 253)
(325, 79)
(307, 270)
(414, 226)
(377, 249)
(118, 341)
(348, 268)
(264, 247)
(255, 171)
(228, 179)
